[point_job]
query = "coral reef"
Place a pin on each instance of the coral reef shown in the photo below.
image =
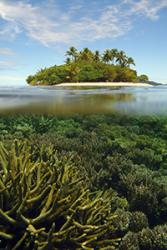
(155, 239)
(118, 161)
(45, 203)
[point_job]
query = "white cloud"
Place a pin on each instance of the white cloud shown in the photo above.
(6, 59)
(148, 8)
(6, 52)
(7, 65)
(11, 78)
(22, 16)
(41, 24)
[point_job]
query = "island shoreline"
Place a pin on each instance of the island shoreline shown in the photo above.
(104, 84)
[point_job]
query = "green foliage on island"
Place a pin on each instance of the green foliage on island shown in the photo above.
(105, 174)
(143, 78)
(89, 66)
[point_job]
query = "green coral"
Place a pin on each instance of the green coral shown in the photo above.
(138, 221)
(45, 203)
(153, 239)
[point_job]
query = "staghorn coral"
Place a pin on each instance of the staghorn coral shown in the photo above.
(45, 203)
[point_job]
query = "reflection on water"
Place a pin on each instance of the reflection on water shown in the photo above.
(58, 100)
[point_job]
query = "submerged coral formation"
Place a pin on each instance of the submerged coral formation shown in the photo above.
(46, 204)
(93, 182)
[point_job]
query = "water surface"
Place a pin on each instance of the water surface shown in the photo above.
(62, 100)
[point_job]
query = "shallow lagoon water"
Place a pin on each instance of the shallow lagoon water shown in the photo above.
(60, 100)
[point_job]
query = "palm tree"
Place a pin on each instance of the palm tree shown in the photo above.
(107, 56)
(130, 61)
(68, 60)
(86, 55)
(73, 72)
(97, 56)
(73, 53)
(121, 58)
(114, 53)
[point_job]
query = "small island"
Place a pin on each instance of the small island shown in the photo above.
(88, 68)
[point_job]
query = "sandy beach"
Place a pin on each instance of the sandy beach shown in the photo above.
(105, 84)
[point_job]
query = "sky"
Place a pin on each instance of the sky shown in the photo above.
(36, 33)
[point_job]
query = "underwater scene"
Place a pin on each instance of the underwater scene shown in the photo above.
(75, 176)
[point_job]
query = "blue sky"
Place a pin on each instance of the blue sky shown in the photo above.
(36, 33)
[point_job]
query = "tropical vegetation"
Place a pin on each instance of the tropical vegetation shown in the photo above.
(88, 66)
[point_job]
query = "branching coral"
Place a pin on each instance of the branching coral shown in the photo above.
(46, 204)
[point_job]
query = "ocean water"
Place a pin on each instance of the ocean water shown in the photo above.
(83, 168)
(59, 100)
